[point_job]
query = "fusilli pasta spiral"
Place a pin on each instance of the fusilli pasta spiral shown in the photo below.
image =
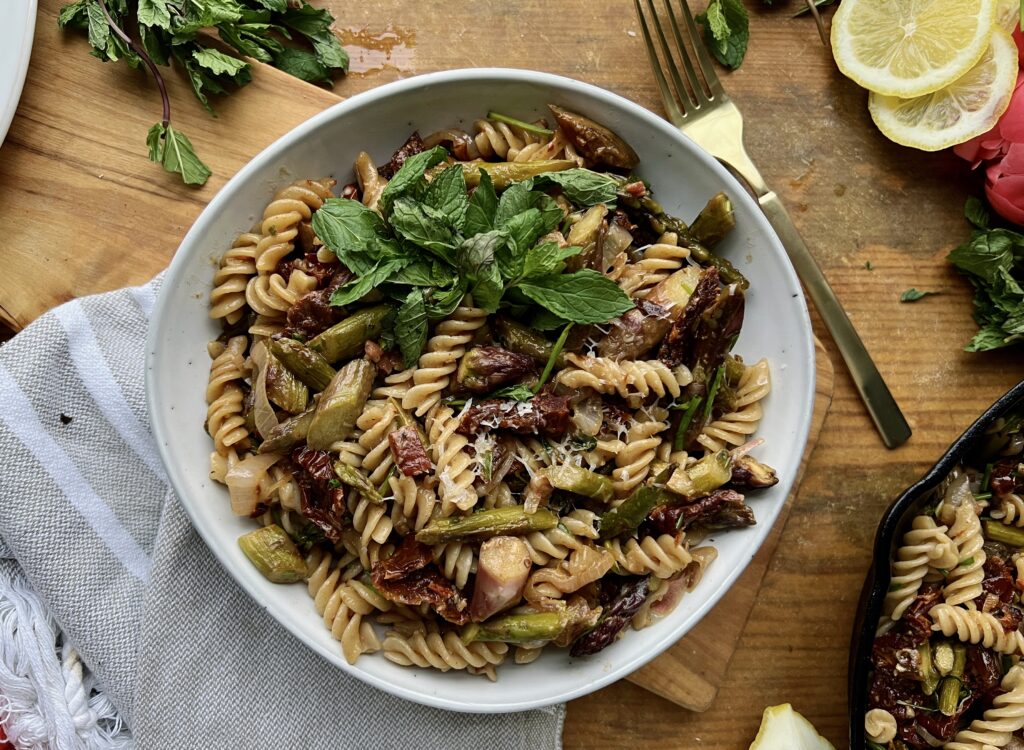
(972, 626)
(661, 556)
(659, 261)
(1010, 510)
(880, 725)
(237, 266)
(629, 379)
(441, 651)
(1000, 722)
(737, 427)
(224, 419)
(964, 583)
(925, 545)
(633, 461)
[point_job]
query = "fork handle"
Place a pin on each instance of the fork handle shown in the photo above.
(882, 407)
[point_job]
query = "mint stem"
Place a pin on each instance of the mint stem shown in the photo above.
(145, 58)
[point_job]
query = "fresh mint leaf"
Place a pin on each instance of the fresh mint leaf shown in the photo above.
(154, 13)
(976, 212)
(913, 295)
(410, 175)
(218, 63)
(547, 258)
(358, 288)
(447, 193)
(411, 327)
(424, 273)
(517, 392)
(156, 42)
(442, 302)
(582, 297)
(301, 64)
(523, 231)
(99, 29)
(252, 40)
(545, 320)
(988, 338)
(483, 206)
(478, 264)
(348, 228)
(581, 186)
(198, 16)
(75, 15)
(520, 197)
(329, 51)
(306, 19)
(424, 227)
(173, 150)
(726, 30)
(278, 6)
(988, 253)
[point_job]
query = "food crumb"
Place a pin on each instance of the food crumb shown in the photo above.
(65, 419)
(631, 33)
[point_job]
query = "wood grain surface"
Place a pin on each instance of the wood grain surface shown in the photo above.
(85, 211)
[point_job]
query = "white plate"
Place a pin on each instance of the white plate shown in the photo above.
(17, 27)
(683, 178)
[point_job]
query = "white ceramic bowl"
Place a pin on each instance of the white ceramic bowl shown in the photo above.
(683, 178)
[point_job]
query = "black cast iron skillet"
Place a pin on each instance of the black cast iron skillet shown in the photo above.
(894, 522)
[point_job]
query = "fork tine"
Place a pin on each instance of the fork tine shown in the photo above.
(696, 85)
(694, 99)
(674, 113)
(707, 69)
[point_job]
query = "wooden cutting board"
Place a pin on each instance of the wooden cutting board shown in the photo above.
(77, 188)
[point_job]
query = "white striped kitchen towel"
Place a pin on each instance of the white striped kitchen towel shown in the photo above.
(185, 656)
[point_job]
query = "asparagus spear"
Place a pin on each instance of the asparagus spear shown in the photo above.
(929, 676)
(288, 433)
(346, 339)
(999, 532)
(308, 366)
(632, 512)
(580, 481)
(519, 338)
(504, 173)
(274, 554)
(713, 222)
(528, 628)
(358, 481)
(284, 388)
(949, 688)
(705, 476)
(487, 523)
(340, 404)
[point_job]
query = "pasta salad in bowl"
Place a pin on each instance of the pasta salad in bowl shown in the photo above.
(477, 392)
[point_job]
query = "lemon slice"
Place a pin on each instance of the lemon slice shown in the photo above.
(1007, 14)
(957, 113)
(908, 49)
(782, 728)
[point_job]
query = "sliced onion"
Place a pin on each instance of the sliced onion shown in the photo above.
(588, 414)
(615, 241)
(243, 481)
(263, 413)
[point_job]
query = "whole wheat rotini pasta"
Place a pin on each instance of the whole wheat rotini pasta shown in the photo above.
(451, 408)
(964, 582)
(925, 546)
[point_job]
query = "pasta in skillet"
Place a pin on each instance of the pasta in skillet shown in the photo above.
(945, 655)
(485, 401)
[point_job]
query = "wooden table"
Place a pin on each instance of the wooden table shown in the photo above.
(855, 196)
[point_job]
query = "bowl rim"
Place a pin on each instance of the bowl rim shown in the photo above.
(876, 581)
(192, 243)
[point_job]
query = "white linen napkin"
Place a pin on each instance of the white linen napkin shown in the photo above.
(184, 655)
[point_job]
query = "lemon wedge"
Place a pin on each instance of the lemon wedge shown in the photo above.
(782, 728)
(908, 49)
(1007, 14)
(968, 107)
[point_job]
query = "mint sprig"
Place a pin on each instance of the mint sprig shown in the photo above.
(163, 31)
(444, 242)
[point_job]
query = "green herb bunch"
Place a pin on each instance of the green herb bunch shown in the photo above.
(993, 261)
(727, 28)
(167, 30)
(434, 241)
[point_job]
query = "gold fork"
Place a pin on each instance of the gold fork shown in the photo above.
(710, 119)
